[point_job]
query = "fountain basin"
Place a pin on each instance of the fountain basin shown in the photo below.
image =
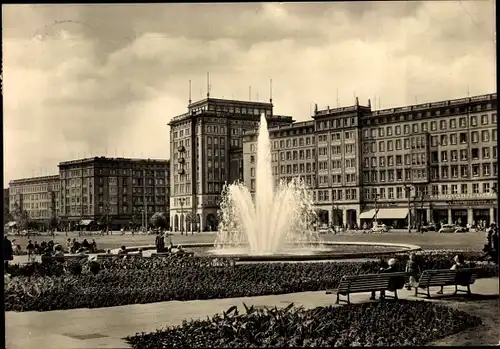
(326, 250)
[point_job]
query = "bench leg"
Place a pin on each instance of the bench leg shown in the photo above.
(416, 291)
(396, 294)
(338, 299)
(428, 293)
(468, 289)
(348, 299)
(456, 290)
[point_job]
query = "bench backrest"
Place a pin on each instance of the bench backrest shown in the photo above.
(63, 258)
(369, 282)
(438, 277)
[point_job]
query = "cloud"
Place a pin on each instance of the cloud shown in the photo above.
(79, 81)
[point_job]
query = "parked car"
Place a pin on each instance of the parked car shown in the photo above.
(451, 228)
(430, 227)
(379, 228)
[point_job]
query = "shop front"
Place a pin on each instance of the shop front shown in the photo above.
(459, 217)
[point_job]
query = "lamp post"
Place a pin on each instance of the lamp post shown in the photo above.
(182, 202)
(376, 207)
(408, 193)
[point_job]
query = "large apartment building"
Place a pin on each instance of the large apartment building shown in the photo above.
(37, 196)
(125, 191)
(206, 152)
(429, 162)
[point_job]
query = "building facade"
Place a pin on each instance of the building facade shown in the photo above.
(124, 192)
(37, 196)
(428, 162)
(206, 152)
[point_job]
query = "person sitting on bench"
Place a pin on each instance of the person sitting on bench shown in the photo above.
(390, 269)
(458, 264)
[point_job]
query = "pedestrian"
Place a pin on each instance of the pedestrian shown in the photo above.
(392, 268)
(30, 248)
(8, 252)
(413, 269)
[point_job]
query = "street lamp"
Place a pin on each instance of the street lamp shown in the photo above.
(182, 202)
(376, 207)
(408, 193)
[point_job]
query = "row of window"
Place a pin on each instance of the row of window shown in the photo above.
(393, 175)
(33, 189)
(455, 155)
(462, 171)
(395, 160)
(453, 138)
(475, 120)
(337, 195)
(418, 142)
(446, 189)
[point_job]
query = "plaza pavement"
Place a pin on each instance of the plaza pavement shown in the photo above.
(105, 327)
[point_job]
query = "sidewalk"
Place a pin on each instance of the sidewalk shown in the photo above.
(105, 327)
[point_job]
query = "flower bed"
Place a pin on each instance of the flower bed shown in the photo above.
(114, 282)
(411, 323)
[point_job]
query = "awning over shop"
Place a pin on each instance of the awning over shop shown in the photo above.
(10, 224)
(85, 222)
(392, 213)
(369, 214)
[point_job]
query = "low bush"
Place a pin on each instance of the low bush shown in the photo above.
(147, 280)
(411, 323)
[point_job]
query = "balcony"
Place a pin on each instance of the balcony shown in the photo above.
(181, 160)
(181, 149)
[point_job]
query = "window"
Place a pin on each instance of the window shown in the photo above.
(486, 153)
(406, 129)
(398, 130)
(475, 170)
(444, 140)
(381, 146)
(475, 188)
(453, 138)
(425, 127)
(454, 155)
(435, 190)
(485, 136)
(463, 138)
(433, 126)
(453, 123)
(442, 125)
(444, 156)
(494, 118)
(388, 130)
(444, 189)
(390, 146)
(486, 188)
(454, 189)
(463, 188)
(462, 122)
(484, 119)
(486, 169)
(414, 128)
(473, 120)
(434, 141)
(398, 144)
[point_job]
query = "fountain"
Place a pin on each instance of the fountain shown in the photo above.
(278, 221)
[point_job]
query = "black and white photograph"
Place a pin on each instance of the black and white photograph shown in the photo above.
(250, 175)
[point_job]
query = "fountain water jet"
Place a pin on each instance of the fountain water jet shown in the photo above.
(280, 220)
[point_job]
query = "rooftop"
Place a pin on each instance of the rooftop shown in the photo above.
(110, 159)
(31, 180)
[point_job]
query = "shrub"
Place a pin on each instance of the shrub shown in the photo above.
(411, 323)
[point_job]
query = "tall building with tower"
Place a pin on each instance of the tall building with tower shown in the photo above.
(206, 151)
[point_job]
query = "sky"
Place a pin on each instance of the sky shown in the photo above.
(96, 80)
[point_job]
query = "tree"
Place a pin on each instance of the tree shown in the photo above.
(158, 220)
(21, 217)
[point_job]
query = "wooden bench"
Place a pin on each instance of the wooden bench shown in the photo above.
(446, 277)
(370, 282)
(167, 254)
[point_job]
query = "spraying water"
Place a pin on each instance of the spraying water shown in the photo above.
(278, 221)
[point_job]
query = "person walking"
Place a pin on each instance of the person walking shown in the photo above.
(413, 269)
(8, 252)
(30, 248)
